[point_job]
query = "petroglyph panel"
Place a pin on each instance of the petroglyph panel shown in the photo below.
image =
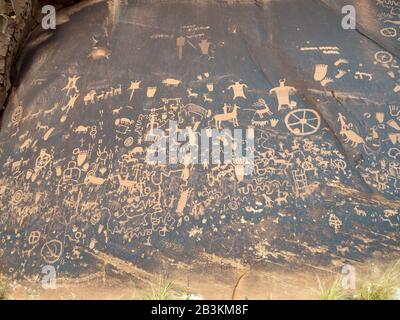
(323, 108)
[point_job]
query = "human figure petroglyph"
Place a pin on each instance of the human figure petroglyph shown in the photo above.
(71, 103)
(283, 93)
(335, 222)
(238, 89)
(135, 85)
(71, 85)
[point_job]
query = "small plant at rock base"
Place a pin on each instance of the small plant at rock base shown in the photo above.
(162, 289)
(381, 285)
(3, 289)
(335, 291)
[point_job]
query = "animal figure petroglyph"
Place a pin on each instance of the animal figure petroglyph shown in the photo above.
(227, 116)
(98, 53)
(261, 103)
(390, 213)
(50, 111)
(117, 110)
(282, 199)
(268, 201)
(89, 97)
(349, 135)
(171, 82)
(128, 184)
(91, 179)
(360, 212)
(25, 145)
(81, 129)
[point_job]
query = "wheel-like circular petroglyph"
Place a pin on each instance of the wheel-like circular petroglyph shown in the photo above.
(17, 197)
(303, 122)
(43, 159)
(51, 251)
(383, 57)
(389, 32)
(34, 237)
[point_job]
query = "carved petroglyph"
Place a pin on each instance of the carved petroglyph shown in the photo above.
(85, 182)
(303, 122)
(238, 90)
(227, 116)
(283, 93)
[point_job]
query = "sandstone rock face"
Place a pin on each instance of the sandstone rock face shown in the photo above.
(76, 187)
(17, 19)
